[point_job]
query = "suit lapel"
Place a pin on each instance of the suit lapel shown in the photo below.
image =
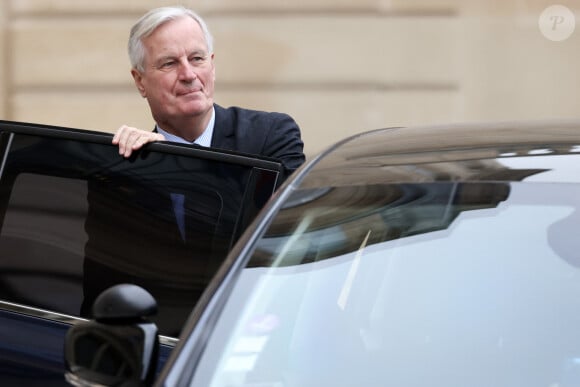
(223, 132)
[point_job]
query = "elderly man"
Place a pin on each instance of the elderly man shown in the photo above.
(172, 59)
(135, 235)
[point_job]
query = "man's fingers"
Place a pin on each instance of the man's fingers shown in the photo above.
(146, 137)
(118, 135)
(130, 139)
(121, 138)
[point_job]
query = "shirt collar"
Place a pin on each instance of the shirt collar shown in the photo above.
(203, 140)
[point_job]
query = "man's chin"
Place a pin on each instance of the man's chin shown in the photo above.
(195, 111)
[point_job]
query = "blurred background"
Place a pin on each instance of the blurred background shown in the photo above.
(339, 67)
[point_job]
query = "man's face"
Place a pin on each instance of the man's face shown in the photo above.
(179, 73)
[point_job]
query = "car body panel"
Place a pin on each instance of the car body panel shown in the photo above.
(41, 346)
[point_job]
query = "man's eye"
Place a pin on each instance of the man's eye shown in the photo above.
(198, 59)
(167, 65)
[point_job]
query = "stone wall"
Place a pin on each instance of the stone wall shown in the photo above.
(338, 66)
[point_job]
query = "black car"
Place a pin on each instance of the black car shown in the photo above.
(428, 256)
(77, 218)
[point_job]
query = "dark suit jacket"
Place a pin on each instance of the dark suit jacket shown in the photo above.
(274, 135)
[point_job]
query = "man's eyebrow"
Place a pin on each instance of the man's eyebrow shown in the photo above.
(164, 58)
(198, 52)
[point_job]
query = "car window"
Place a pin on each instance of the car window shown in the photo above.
(459, 283)
(77, 218)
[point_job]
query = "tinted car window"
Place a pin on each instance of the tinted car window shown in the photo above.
(42, 241)
(76, 218)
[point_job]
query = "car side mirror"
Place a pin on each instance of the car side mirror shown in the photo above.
(120, 346)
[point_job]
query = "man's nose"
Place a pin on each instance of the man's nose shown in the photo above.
(186, 71)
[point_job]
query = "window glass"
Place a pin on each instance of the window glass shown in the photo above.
(41, 243)
(454, 284)
(78, 218)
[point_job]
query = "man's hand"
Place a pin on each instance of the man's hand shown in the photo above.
(130, 139)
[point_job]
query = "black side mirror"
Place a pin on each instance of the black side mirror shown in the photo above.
(118, 348)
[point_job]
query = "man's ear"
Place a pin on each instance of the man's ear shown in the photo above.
(138, 78)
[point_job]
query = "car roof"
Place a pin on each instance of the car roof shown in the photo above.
(442, 153)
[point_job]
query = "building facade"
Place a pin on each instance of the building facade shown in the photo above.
(338, 67)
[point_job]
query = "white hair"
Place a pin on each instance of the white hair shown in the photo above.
(150, 22)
